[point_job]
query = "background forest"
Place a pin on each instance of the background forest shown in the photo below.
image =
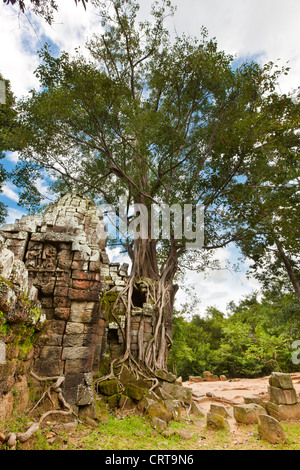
(253, 339)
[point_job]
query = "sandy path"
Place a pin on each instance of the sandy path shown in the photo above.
(235, 390)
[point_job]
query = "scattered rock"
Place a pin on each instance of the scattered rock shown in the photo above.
(219, 410)
(136, 390)
(256, 400)
(196, 379)
(177, 392)
(166, 376)
(169, 432)
(174, 407)
(156, 410)
(216, 421)
(103, 415)
(223, 378)
(108, 387)
(196, 410)
(248, 414)
(185, 433)
(159, 424)
(91, 422)
(178, 381)
(270, 429)
(209, 377)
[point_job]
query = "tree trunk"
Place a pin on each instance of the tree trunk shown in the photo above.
(144, 260)
(289, 268)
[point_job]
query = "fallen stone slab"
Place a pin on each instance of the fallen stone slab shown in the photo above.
(248, 414)
(216, 421)
(270, 429)
(158, 424)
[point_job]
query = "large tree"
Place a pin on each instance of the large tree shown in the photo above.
(153, 120)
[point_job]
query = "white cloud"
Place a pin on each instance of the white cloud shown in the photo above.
(8, 190)
(216, 287)
(265, 29)
(13, 214)
(12, 156)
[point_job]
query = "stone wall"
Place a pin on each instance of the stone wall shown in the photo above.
(62, 255)
(65, 258)
(20, 320)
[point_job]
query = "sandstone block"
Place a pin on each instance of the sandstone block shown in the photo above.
(159, 424)
(216, 421)
(177, 392)
(282, 396)
(282, 412)
(281, 380)
(248, 414)
(156, 410)
(270, 429)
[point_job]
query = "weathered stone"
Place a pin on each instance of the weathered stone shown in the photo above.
(166, 376)
(270, 429)
(126, 375)
(108, 387)
(174, 407)
(177, 392)
(283, 412)
(248, 414)
(156, 410)
(113, 401)
(282, 396)
(281, 380)
(136, 390)
(216, 421)
(159, 424)
(209, 377)
(168, 433)
(185, 433)
(196, 378)
(196, 410)
(145, 403)
(256, 400)
(126, 403)
(6, 262)
(219, 409)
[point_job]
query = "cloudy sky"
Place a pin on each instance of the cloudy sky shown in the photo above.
(263, 30)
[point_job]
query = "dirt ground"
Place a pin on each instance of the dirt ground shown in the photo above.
(234, 390)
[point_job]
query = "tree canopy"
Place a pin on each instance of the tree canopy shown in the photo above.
(163, 121)
(43, 8)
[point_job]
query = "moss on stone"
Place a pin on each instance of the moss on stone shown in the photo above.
(108, 387)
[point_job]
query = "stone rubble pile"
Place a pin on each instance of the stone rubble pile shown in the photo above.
(283, 401)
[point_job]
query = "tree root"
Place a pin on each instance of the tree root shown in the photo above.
(154, 356)
(12, 438)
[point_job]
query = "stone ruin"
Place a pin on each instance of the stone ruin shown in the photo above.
(63, 269)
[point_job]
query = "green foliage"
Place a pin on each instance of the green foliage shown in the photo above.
(254, 339)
